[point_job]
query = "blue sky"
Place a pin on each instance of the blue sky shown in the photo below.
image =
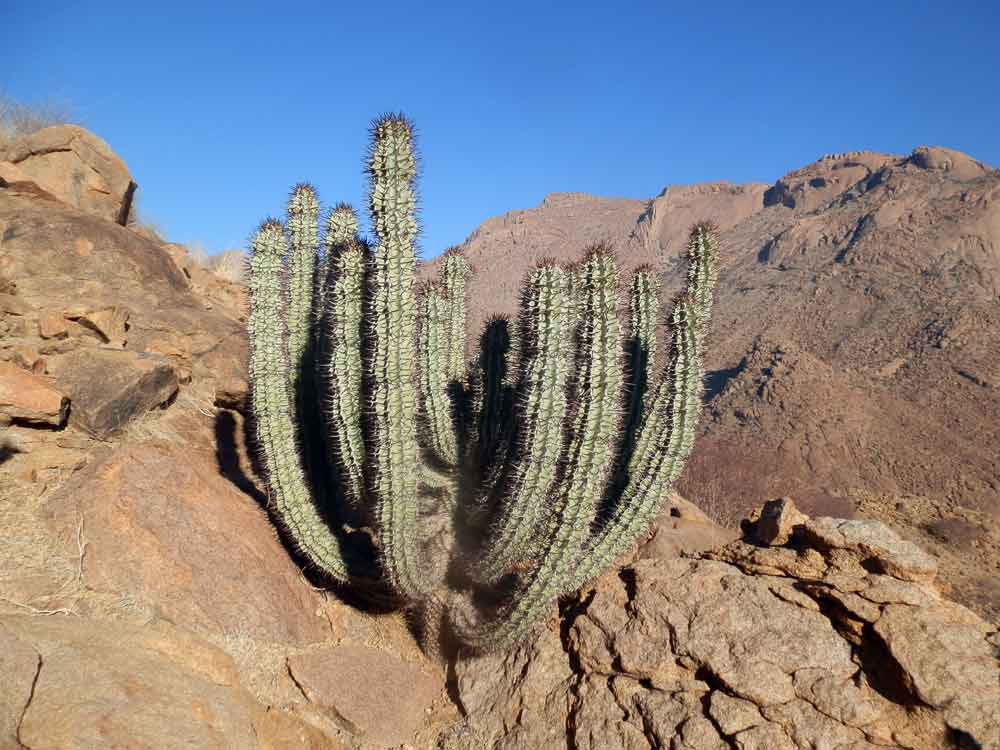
(219, 108)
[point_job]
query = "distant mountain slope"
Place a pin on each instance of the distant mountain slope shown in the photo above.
(856, 341)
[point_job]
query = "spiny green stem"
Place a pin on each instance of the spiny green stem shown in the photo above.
(391, 459)
(545, 319)
(665, 442)
(643, 307)
(273, 410)
(594, 426)
(303, 229)
(342, 364)
(454, 276)
(437, 418)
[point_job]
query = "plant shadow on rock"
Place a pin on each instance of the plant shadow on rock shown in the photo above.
(228, 442)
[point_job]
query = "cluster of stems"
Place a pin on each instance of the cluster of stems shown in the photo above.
(482, 488)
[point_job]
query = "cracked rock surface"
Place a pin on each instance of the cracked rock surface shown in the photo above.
(835, 639)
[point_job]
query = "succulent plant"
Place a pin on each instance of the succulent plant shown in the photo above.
(474, 492)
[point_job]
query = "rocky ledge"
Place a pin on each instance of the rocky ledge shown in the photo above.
(807, 633)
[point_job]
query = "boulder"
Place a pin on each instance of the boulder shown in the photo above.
(960, 166)
(110, 388)
(30, 398)
(12, 305)
(776, 522)
(682, 528)
(169, 526)
(76, 167)
(838, 641)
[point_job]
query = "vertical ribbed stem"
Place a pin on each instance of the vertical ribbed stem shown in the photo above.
(545, 320)
(341, 230)
(436, 412)
(454, 276)
(303, 229)
(587, 461)
(342, 364)
(643, 308)
(668, 430)
(392, 445)
(273, 406)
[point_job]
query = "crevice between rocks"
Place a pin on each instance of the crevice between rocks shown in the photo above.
(27, 704)
(881, 670)
(568, 613)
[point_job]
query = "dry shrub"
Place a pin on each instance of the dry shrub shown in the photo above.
(18, 119)
(230, 265)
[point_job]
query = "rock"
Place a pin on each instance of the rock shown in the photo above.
(681, 528)
(82, 684)
(878, 546)
(52, 326)
(19, 664)
(713, 653)
(13, 305)
(28, 359)
(233, 393)
(376, 696)
(89, 265)
(776, 522)
(109, 323)
(41, 462)
(110, 388)
(29, 398)
(76, 167)
(10, 175)
(278, 730)
(947, 660)
(733, 715)
(167, 529)
(959, 165)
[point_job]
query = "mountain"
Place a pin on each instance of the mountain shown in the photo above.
(854, 355)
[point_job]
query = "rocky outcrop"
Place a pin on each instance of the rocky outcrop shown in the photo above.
(75, 166)
(30, 399)
(110, 388)
(836, 638)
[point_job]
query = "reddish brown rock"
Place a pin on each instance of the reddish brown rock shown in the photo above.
(19, 665)
(166, 528)
(52, 325)
(29, 359)
(14, 305)
(79, 684)
(109, 323)
(110, 388)
(378, 697)
(700, 653)
(776, 522)
(31, 399)
(77, 167)
(682, 528)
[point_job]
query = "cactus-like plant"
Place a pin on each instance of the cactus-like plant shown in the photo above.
(489, 489)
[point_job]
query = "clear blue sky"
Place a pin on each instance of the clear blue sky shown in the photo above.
(219, 108)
